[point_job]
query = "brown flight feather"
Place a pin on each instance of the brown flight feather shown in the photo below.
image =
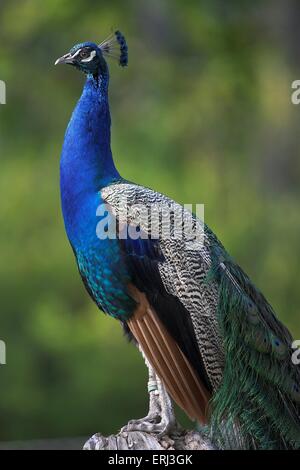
(167, 359)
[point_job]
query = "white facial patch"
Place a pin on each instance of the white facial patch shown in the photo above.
(75, 54)
(88, 59)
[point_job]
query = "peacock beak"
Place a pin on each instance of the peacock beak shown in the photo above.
(65, 59)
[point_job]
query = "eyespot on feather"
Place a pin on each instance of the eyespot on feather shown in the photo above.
(295, 392)
(259, 340)
(252, 314)
(278, 347)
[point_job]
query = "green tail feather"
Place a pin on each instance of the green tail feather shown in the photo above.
(258, 403)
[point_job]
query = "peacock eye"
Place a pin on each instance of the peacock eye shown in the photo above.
(84, 54)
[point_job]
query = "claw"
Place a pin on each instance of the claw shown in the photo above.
(142, 423)
(160, 428)
(161, 418)
(155, 425)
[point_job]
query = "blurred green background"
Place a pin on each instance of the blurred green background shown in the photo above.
(204, 114)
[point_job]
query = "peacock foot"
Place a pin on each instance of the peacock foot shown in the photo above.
(160, 425)
(160, 419)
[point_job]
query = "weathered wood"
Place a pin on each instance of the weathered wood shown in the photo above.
(185, 440)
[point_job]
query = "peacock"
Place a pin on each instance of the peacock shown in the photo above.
(209, 338)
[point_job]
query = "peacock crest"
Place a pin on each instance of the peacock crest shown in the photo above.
(115, 46)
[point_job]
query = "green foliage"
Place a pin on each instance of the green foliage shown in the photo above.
(203, 113)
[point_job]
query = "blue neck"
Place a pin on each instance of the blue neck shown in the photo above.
(86, 162)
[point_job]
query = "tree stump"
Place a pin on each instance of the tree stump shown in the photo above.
(134, 440)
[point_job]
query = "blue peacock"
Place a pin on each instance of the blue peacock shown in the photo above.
(210, 339)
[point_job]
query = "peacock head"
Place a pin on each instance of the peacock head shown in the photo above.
(90, 57)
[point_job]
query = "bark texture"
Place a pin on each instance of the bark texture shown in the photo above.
(185, 440)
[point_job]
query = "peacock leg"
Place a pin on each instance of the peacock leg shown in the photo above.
(160, 418)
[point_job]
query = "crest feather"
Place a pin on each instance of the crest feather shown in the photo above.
(115, 46)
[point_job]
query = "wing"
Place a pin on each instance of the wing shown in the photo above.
(222, 324)
(165, 329)
(180, 271)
